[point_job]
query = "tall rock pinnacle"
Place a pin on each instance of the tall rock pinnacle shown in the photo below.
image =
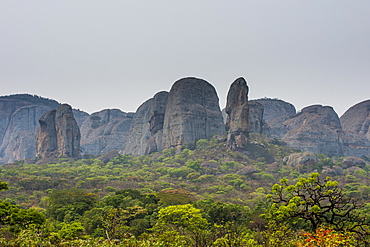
(58, 134)
(237, 109)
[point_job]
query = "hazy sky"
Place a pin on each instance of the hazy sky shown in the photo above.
(117, 54)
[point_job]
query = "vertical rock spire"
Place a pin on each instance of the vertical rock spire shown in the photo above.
(237, 109)
(58, 134)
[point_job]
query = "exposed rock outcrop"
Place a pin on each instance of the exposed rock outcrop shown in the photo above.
(353, 161)
(19, 116)
(140, 130)
(256, 117)
(301, 159)
(275, 112)
(315, 129)
(248, 170)
(357, 119)
(157, 116)
(238, 121)
(58, 134)
(105, 131)
(192, 113)
(147, 126)
(354, 144)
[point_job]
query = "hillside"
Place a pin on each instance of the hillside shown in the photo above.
(208, 172)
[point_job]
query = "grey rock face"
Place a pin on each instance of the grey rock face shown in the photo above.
(303, 159)
(105, 131)
(237, 109)
(353, 161)
(140, 129)
(354, 144)
(256, 117)
(247, 170)
(192, 113)
(58, 134)
(357, 119)
(147, 126)
(157, 116)
(19, 116)
(314, 129)
(275, 112)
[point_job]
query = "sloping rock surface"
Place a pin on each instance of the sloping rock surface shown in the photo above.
(192, 113)
(275, 112)
(256, 112)
(19, 116)
(58, 134)
(105, 131)
(314, 129)
(139, 129)
(357, 119)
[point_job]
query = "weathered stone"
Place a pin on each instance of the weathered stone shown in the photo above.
(275, 112)
(353, 161)
(105, 131)
(147, 126)
(108, 156)
(68, 132)
(157, 112)
(274, 167)
(334, 171)
(315, 129)
(256, 117)
(47, 144)
(19, 141)
(357, 119)
(338, 170)
(352, 169)
(157, 115)
(58, 134)
(192, 113)
(140, 129)
(354, 144)
(19, 116)
(209, 164)
(247, 170)
(238, 121)
(304, 159)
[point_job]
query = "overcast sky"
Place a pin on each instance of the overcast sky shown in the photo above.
(117, 54)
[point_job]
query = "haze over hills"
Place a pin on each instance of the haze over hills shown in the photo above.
(188, 112)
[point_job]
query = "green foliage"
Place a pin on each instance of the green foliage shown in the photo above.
(69, 204)
(315, 202)
(71, 230)
(88, 202)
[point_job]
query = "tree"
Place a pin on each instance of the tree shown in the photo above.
(316, 202)
(69, 204)
(16, 218)
(184, 219)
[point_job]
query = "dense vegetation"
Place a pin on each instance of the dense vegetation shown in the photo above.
(195, 196)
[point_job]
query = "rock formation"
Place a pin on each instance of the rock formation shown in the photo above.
(58, 134)
(357, 119)
(238, 121)
(105, 131)
(275, 112)
(147, 126)
(189, 112)
(19, 116)
(315, 129)
(192, 113)
(139, 129)
(304, 160)
(157, 115)
(256, 117)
